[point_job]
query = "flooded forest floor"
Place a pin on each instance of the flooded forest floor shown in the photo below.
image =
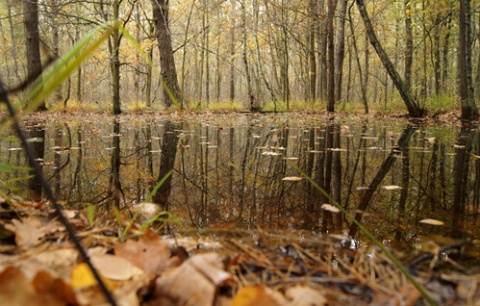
(216, 209)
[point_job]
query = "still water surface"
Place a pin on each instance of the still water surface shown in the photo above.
(246, 171)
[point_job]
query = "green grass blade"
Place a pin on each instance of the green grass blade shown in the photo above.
(160, 183)
(65, 66)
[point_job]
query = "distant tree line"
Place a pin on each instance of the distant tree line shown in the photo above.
(254, 51)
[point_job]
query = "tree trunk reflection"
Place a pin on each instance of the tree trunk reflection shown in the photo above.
(167, 162)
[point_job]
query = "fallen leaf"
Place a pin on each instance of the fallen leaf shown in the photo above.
(82, 277)
(432, 222)
(115, 267)
(305, 296)
(330, 208)
(192, 283)
(54, 289)
(254, 295)
(270, 153)
(292, 178)
(149, 253)
(58, 258)
(392, 187)
(28, 232)
(17, 290)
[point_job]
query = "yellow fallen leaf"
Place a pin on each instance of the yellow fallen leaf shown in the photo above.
(82, 277)
(254, 295)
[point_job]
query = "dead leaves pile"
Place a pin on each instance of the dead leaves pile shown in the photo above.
(39, 266)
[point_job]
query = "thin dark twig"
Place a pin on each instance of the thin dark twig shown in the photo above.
(49, 193)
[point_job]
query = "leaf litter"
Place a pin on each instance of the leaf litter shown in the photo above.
(39, 266)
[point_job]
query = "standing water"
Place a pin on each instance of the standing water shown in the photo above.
(400, 179)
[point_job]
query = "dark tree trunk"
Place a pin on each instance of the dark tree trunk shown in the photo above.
(340, 52)
(464, 53)
(408, 44)
(414, 110)
(36, 130)
(460, 177)
(171, 89)
(167, 163)
(32, 43)
(331, 57)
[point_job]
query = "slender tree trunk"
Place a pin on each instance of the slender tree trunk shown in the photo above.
(13, 41)
(363, 86)
(260, 64)
(115, 62)
(464, 53)
(32, 43)
(184, 58)
(414, 110)
(408, 43)
(313, 24)
(148, 75)
(340, 52)
(437, 60)
(232, 54)
(331, 57)
(445, 52)
(171, 89)
(322, 52)
(251, 97)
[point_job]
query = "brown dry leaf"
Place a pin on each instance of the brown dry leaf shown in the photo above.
(149, 253)
(115, 267)
(16, 290)
(28, 232)
(193, 283)
(255, 295)
(54, 289)
(305, 296)
(56, 259)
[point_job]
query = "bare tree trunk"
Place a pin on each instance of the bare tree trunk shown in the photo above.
(322, 52)
(232, 54)
(13, 41)
(32, 43)
(313, 24)
(251, 98)
(260, 63)
(171, 89)
(408, 43)
(363, 86)
(148, 75)
(340, 52)
(465, 86)
(331, 57)
(414, 110)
